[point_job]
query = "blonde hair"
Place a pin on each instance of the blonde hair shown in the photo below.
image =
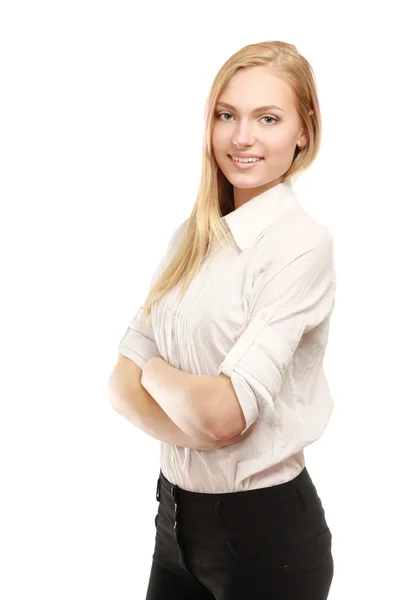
(205, 229)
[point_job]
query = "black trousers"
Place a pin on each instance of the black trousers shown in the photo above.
(267, 544)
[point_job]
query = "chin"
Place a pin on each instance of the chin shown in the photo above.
(247, 184)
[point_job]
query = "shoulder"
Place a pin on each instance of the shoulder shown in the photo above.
(296, 231)
(302, 227)
(292, 238)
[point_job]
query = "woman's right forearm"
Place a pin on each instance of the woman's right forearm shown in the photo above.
(143, 411)
(131, 400)
(140, 408)
(156, 423)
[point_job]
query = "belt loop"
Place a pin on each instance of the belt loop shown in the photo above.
(158, 489)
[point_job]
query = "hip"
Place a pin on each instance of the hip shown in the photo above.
(280, 527)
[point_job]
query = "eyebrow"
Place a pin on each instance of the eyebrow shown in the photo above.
(256, 110)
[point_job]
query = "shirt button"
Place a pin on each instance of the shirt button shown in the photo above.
(286, 568)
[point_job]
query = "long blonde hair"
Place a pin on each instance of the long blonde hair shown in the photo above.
(205, 229)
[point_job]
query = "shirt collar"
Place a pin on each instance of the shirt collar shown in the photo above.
(254, 216)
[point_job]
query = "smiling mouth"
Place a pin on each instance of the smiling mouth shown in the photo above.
(245, 158)
(246, 164)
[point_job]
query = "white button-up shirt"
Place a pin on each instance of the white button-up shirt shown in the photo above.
(258, 312)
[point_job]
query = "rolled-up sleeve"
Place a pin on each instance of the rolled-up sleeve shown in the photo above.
(285, 305)
(138, 342)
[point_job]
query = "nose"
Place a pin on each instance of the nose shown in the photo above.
(243, 135)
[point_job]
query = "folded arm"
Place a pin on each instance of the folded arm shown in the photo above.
(200, 405)
(130, 399)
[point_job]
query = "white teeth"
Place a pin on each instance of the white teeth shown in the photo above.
(245, 160)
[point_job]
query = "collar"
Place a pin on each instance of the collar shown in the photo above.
(255, 216)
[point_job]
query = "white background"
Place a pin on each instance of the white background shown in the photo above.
(101, 109)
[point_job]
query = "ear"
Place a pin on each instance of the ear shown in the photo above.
(303, 139)
(301, 142)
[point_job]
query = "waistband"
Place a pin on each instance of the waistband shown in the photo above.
(269, 496)
(228, 515)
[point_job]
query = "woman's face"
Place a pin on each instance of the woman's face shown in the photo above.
(271, 134)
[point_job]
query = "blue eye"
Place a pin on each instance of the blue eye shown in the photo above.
(269, 117)
(266, 117)
(220, 115)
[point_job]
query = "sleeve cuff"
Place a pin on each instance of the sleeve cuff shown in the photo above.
(245, 395)
(134, 357)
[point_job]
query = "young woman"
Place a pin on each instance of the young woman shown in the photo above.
(224, 360)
